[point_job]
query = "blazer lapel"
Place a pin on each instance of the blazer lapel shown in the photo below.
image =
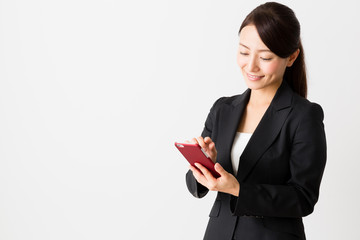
(266, 131)
(229, 118)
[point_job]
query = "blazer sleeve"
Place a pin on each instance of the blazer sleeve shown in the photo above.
(307, 162)
(194, 187)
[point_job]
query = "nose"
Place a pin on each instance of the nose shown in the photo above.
(252, 65)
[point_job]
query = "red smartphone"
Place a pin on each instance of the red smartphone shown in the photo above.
(195, 154)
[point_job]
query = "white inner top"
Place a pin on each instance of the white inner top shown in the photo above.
(240, 142)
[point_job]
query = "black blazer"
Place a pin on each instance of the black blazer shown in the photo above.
(279, 173)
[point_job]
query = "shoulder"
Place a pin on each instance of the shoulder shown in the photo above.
(306, 109)
(230, 101)
(227, 100)
(222, 102)
(306, 123)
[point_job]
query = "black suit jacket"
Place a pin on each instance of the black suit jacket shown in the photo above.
(279, 173)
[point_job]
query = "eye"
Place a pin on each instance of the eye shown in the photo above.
(265, 59)
(244, 54)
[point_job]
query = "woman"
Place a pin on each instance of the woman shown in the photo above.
(269, 142)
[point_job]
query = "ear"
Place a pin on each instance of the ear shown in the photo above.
(292, 58)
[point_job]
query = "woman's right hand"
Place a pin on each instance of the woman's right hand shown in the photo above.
(207, 145)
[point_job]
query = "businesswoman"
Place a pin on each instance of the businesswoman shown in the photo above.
(268, 143)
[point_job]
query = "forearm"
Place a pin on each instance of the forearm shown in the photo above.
(272, 201)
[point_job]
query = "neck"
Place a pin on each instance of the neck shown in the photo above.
(262, 97)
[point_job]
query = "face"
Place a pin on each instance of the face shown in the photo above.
(261, 68)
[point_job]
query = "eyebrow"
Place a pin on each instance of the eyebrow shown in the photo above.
(261, 50)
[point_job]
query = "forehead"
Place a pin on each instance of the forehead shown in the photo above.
(250, 38)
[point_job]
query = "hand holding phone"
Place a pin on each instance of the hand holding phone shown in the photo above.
(207, 145)
(195, 154)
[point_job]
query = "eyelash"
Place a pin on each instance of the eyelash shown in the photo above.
(265, 59)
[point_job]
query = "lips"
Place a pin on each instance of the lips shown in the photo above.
(254, 77)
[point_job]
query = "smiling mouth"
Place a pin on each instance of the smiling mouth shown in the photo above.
(254, 77)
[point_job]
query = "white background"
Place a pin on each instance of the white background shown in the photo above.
(94, 93)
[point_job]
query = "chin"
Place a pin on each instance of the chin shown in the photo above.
(254, 85)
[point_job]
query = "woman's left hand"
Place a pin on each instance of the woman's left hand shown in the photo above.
(226, 183)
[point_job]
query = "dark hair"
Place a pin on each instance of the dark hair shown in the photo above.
(279, 29)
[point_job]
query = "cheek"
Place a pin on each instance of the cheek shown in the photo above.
(241, 61)
(272, 68)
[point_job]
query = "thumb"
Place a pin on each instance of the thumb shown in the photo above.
(220, 169)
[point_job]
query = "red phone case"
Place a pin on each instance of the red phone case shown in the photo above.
(194, 154)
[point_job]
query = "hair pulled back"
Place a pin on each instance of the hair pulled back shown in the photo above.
(279, 29)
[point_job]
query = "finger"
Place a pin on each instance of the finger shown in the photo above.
(207, 179)
(212, 146)
(220, 169)
(194, 140)
(198, 175)
(207, 174)
(201, 142)
(207, 140)
(212, 151)
(194, 169)
(209, 143)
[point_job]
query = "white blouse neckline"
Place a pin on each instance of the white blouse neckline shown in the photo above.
(240, 141)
